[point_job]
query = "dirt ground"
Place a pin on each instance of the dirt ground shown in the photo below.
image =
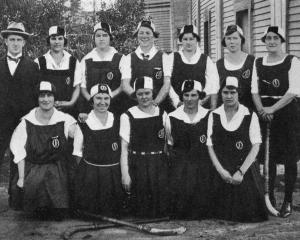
(15, 225)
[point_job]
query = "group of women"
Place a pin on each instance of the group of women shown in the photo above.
(173, 134)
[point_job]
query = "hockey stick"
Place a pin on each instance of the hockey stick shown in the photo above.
(99, 226)
(269, 206)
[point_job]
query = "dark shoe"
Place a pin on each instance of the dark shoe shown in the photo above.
(286, 209)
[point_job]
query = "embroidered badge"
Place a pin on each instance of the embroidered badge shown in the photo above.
(246, 74)
(161, 133)
(203, 138)
(68, 80)
(158, 74)
(55, 142)
(115, 146)
(276, 83)
(110, 76)
(239, 145)
(103, 88)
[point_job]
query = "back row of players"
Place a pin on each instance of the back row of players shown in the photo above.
(232, 131)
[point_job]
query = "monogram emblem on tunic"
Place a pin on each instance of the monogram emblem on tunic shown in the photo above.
(246, 74)
(239, 145)
(161, 133)
(110, 76)
(158, 74)
(55, 142)
(276, 83)
(68, 80)
(203, 138)
(115, 146)
(103, 88)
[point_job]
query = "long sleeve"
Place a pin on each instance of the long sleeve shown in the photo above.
(18, 142)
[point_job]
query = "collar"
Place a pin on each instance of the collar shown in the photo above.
(18, 56)
(56, 117)
(242, 110)
(151, 53)
(95, 56)
(180, 114)
(94, 123)
(194, 58)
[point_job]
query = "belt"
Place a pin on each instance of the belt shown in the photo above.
(100, 165)
(274, 97)
(146, 153)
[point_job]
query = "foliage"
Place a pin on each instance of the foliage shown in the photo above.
(37, 16)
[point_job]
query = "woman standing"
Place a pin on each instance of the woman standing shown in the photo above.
(39, 146)
(98, 181)
(143, 160)
(275, 84)
(233, 144)
(236, 63)
(190, 63)
(190, 165)
(101, 65)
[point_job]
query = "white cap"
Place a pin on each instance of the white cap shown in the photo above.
(100, 88)
(232, 81)
(143, 82)
(45, 86)
(189, 85)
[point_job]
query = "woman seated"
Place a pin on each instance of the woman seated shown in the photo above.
(39, 146)
(233, 144)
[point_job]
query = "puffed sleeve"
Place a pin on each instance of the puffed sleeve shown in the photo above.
(125, 66)
(78, 142)
(209, 130)
(125, 127)
(18, 142)
(294, 73)
(82, 71)
(254, 130)
(167, 60)
(70, 126)
(254, 80)
(212, 78)
(77, 74)
(168, 130)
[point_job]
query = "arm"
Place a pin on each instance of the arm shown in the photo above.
(126, 180)
(85, 93)
(212, 83)
(285, 100)
(239, 175)
(68, 104)
(213, 101)
(164, 91)
(21, 168)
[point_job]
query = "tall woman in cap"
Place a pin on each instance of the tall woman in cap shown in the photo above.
(236, 63)
(62, 69)
(275, 84)
(190, 165)
(143, 161)
(146, 60)
(233, 140)
(19, 76)
(190, 63)
(39, 148)
(98, 188)
(101, 65)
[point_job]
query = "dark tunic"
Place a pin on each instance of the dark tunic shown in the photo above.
(243, 202)
(190, 173)
(99, 188)
(152, 68)
(273, 83)
(244, 76)
(45, 178)
(106, 72)
(148, 171)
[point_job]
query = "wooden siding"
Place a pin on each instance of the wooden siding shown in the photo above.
(261, 19)
(160, 12)
(293, 28)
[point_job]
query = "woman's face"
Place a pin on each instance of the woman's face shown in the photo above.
(46, 101)
(144, 97)
(102, 39)
(230, 96)
(190, 99)
(145, 37)
(189, 42)
(57, 43)
(233, 42)
(273, 42)
(101, 102)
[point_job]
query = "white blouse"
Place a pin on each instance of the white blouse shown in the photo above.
(234, 123)
(19, 137)
(94, 124)
(181, 115)
(136, 113)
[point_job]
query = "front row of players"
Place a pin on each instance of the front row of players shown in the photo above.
(190, 164)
